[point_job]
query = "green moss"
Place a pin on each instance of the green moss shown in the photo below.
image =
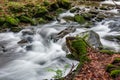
(41, 20)
(68, 18)
(16, 9)
(80, 46)
(40, 11)
(70, 56)
(117, 60)
(103, 8)
(26, 19)
(11, 21)
(80, 19)
(59, 10)
(110, 67)
(53, 6)
(64, 4)
(88, 16)
(115, 73)
(2, 20)
(46, 3)
(15, 29)
(107, 52)
(74, 10)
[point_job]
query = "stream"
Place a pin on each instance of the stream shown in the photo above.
(30, 60)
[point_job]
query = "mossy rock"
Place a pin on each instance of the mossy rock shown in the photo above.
(88, 24)
(88, 16)
(53, 7)
(68, 18)
(46, 3)
(80, 19)
(73, 10)
(110, 67)
(49, 17)
(64, 4)
(41, 21)
(15, 29)
(26, 19)
(40, 11)
(16, 9)
(2, 20)
(104, 8)
(77, 46)
(11, 21)
(116, 61)
(30, 5)
(115, 73)
(59, 10)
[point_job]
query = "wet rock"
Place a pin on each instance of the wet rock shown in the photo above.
(113, 38)
(100, 17)
(68, 18)
(92, 38)
(104, 8)
(115, 26)
(29, 47)
(94, 12)
(15, 29)
(73, 10)
(23, 41)
(28, 32)
(63, 33)
(88, 16)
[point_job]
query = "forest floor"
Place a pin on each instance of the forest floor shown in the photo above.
(96, 68)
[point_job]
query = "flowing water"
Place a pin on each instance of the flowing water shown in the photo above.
(31, 60)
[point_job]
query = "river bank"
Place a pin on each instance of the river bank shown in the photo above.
(82, 33)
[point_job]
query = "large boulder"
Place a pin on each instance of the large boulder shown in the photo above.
(92, 38)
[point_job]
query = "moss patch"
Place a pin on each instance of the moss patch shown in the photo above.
(80, 19)
(115, 73)
(107, 52)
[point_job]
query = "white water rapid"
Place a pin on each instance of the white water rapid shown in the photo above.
(31, 60)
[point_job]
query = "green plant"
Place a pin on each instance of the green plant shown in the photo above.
(115, 73)
(107, 52)
(58, 72)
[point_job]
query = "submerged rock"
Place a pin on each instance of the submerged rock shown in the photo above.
(63, 33)
(113, 38)
(23, 41)
(92, 38)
